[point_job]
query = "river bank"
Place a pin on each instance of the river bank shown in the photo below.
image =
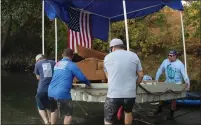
(150, 65)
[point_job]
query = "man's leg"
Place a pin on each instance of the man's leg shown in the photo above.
(172, 109)
(128, 106)
(43, 114)
(67, 120)
(66, 108)
(54, 111)
(128, 118)
(49, 115)
(160, 108)
(41, 103)
(111, 107)
(54, 117)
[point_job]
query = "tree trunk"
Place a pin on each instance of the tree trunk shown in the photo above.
(7, 32)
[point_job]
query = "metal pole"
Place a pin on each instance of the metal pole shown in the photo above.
(43, 29)
(184, 44)
(109, 38)
(126, 27)
(55, 24)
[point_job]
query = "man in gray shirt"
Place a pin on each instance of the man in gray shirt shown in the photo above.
(124, 71)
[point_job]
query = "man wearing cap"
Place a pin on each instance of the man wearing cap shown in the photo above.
(43, 70)
(121, 68)
(60, 87)
(175, 73)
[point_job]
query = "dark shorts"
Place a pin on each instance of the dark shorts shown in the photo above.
(42, 100)
(65, 106)
(53, 104)
(112, 106)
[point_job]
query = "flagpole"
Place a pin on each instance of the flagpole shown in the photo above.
(126, 25)
(184, 44)
(56, 48)
(43, 27)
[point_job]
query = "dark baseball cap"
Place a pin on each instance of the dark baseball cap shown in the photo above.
(173, 52)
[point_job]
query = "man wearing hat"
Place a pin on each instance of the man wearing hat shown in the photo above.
(122, 68)
(43, 70)
(175, 73)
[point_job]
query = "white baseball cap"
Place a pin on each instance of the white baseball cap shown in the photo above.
(38, 57)
(115, 42)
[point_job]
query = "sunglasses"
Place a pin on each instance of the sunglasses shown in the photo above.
(111, 49)
(170, 55)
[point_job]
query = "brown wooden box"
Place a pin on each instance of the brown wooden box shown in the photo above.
(90, 53)
(92, 68)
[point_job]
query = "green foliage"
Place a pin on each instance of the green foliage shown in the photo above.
(61, 38)
(192, 19)
(150, 34)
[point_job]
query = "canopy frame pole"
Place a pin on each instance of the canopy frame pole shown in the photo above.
(184, 44)
(43, 28)
(126, 25)
(109, 39)
(56, 48)
(89, 12)
(109, 34)
(136, 11)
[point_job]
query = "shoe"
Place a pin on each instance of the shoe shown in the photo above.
(171, 115)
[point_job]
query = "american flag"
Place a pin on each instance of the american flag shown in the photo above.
(79, 29)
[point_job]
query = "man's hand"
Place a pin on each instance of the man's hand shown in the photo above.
(88, 86)
(187, 87)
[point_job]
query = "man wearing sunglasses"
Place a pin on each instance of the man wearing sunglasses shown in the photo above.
(175, 73)
(122, 68)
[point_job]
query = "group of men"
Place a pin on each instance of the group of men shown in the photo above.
(123, 70)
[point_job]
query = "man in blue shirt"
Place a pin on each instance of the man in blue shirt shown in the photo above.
(59, 90)
(175, 73)
(43, 71)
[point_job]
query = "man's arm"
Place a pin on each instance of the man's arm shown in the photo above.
(106, 74)
(79, 75)
(140, 77)
(104, 68)
(36, 71)
(185, 76)
(37, 77)
(140, 72)
(159, 71)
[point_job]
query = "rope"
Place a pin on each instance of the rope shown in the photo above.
(94, 94)
(143, 121)
(83, 110)
(147, 91)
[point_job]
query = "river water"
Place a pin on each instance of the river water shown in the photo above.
(18, 106)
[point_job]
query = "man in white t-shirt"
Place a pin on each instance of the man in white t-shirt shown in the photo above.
(122, 68)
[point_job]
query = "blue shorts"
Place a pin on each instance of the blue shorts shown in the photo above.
(42, 100)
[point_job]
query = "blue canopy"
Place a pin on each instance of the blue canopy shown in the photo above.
(105, 11)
